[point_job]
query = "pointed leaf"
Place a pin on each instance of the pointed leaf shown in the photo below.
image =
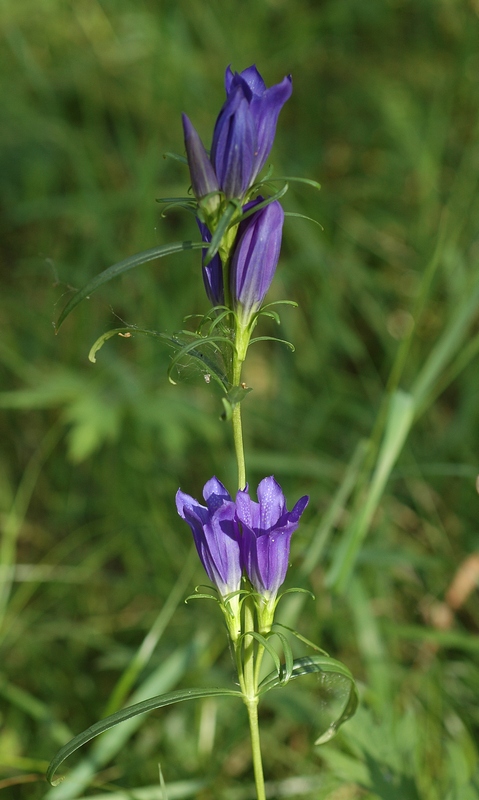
(125, 333)
(300, 636)
(176, 157)
(126, 713)
(263, 641)
(287, 672)
(176, 200)
(193, 349)
(303, 216)
(331, 672)
(273, 339)
(307, 181)
(124, 266)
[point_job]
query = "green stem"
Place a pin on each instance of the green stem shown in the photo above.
(239, 448)
(256, 748)
(251, 698)
(248, 673)
(237, 426)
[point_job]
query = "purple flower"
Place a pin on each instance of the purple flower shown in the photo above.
(216, 534)
(255, 257)
(267, 527)
(265, 106)
(213, 272)
(202, 174)
(245, 129)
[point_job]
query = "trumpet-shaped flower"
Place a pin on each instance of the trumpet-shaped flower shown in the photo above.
(216, 534)
(245, 128)
(255, 258)
(267, 527)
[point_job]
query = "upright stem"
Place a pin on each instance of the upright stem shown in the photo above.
(256, 749)
(239, 448)
(251, 699)
(246, 667)
(237, 426)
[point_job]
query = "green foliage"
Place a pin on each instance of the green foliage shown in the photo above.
(374, 415)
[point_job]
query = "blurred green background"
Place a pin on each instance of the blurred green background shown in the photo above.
(375, 415)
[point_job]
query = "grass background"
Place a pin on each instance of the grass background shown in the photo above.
(375, 415)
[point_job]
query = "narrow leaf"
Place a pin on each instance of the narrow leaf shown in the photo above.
(301, 637)
(126, 333)
(193, 349)
(303, 216)
(176, 200)
(263, 641)
(329, 670)
(307, 181)
(126, 713)
(124, 266)
(273, 339)
(176, 157)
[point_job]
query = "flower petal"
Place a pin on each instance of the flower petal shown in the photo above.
(272, 558)
(271, 501)
(234, 141)
(222, 549)
(215, 494)
(265, 110)
(247, 510)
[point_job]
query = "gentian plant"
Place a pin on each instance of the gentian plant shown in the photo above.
(243, 543)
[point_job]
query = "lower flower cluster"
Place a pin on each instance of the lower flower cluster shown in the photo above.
(242, 537)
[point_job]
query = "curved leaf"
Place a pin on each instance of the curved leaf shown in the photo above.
(124, 266)
(287, 672)
(263, 641)
(332, 673)
(276, 196)
(273, 339)
(126, 333)
(299, 635)
(307, 181)
(193, 349)
(126, 713)
(303, 216)
(280, 303)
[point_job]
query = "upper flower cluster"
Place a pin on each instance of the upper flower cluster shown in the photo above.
(239, 536)
(243, 135)
(241, 271)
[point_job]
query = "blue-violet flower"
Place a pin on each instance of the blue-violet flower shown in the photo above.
(255, 258)
(213, 272)
(216, 534)
(267, 527)
(245, 129)
(202, 174)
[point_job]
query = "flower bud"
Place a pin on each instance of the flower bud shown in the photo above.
(203, 178)
(255, 258)
(213, 272)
